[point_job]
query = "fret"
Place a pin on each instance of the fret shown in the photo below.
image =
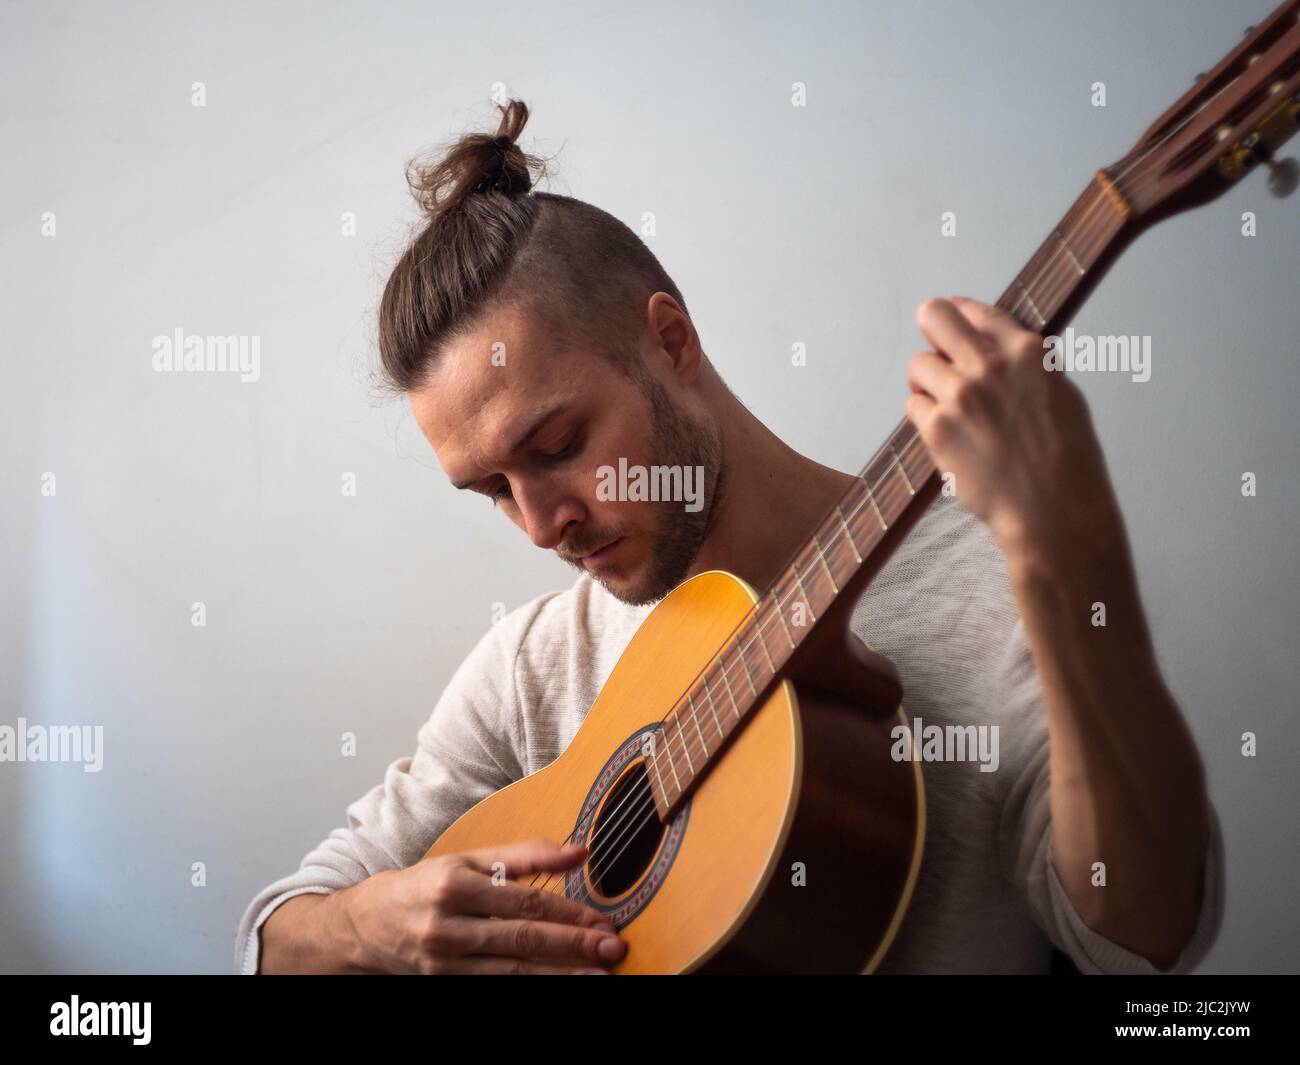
(780, 613)
(749, 676)
(686, 747)
(884, 525)
(899, 463)
(918, 463)
(763, 642)
(1085, 232)
(822, 555)
(708, 691)
(735, 707)
(1070, 252)
(1032, 305)
(672, 760)
(853, 544)
(799, 581)
(695, 717)
(654, 761)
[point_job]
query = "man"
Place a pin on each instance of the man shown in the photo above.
(537, 340)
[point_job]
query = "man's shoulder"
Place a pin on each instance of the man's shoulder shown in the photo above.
(948, 529)
(948, 540)
(559, 624)
(532, 646)
(946, 581)
(551, 655)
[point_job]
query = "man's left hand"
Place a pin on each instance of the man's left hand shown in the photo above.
(1017, 438)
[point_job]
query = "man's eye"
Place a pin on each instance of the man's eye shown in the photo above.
(567, 451)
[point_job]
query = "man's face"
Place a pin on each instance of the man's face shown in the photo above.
(531, 435)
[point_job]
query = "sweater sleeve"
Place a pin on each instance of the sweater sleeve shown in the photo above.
(1096, 954)
(1029, 857)
(466, 750)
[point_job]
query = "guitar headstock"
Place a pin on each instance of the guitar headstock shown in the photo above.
(1234, 119)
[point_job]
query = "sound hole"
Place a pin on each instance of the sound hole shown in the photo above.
(626, 836)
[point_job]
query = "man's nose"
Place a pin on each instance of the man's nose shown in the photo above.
(546, 513)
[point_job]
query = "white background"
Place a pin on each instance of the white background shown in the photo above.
(818, 225)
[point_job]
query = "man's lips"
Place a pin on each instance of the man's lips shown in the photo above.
(596, 558)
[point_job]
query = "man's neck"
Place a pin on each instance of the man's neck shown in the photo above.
(773, 500)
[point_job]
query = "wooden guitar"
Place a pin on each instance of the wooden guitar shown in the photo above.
(733, 746)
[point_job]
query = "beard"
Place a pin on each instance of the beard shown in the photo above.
(677, 535)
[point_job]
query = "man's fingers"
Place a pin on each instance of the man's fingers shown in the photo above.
(933, 374)
(488, 965)
(483, 897)
(987, 317)
(526, 857)
(920, 407)
(531, 940)
(491, 896)
(944, 325)
(1002, 326)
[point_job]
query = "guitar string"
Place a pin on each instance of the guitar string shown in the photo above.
(1080, 227)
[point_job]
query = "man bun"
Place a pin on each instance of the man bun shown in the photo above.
(479, 164)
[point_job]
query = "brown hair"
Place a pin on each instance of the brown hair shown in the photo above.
(491, 240)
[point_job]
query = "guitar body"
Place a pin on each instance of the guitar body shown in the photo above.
(797, 851)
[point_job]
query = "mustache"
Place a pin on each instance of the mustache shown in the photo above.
(575, 554)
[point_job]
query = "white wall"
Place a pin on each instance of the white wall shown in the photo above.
(328, 614)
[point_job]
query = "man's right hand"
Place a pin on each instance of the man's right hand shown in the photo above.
(458, 913)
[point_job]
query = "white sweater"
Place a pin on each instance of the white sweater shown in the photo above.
(988, 898)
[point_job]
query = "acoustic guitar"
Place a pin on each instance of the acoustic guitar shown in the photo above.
(732, 748)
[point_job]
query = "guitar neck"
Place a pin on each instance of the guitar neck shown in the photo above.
(855, 539)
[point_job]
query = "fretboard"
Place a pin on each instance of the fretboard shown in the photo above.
(893, 486)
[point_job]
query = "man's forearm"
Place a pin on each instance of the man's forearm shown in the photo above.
(308, 934)
(1127, 785)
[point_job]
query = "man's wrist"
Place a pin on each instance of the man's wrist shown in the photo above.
(1081, 588)
(1061, 551)
(312, 932)
(340, 930)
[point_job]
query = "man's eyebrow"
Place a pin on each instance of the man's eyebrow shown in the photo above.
(538, 424)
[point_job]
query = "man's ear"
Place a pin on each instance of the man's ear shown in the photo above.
(674, 333)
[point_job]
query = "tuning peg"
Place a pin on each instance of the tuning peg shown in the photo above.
(1248, 31)
(1283, 177)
